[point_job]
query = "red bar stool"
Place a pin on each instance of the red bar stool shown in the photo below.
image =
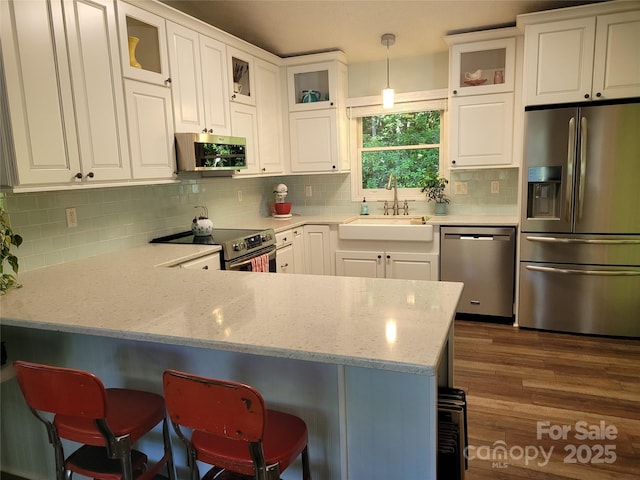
(106, 421)
(232, 429)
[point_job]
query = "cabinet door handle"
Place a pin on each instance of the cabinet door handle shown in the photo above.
(90, 175)
(78, 175)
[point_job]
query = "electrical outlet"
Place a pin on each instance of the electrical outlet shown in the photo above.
(460, 188)
(72, 218)
(308, 191)
(495, 186)
(240, 196)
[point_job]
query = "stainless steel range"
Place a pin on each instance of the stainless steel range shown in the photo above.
(240, 247)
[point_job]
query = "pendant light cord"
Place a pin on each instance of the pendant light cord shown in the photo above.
(388, 64)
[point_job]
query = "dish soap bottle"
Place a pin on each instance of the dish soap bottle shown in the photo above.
(364, 207)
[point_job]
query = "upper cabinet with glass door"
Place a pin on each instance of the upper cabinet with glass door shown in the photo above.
(242, 71)
(312, 87)
(482, 67)
(144, 45)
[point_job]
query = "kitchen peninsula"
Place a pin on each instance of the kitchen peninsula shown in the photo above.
(358, 359)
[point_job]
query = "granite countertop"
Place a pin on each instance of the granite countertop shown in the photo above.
(398, 325)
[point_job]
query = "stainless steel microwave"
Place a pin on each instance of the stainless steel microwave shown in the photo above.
(206, 152)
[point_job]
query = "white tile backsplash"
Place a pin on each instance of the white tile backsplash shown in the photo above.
(111, 219)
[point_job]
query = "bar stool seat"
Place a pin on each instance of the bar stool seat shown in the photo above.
(232, 429)
(285, 437)
(107, 422)
(130, 412)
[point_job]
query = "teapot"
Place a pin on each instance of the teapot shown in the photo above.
(309, 96)
(201, 225)
(473, 75)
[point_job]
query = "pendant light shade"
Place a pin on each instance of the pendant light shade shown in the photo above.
(388, 94)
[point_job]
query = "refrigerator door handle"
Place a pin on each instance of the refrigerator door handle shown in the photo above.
(583, 165)
(571, 151)
(591, 241)
(572, 271)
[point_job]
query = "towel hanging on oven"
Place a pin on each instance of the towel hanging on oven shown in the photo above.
(260, 263)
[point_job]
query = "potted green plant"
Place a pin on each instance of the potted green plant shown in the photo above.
(7, 238)
(434, 187)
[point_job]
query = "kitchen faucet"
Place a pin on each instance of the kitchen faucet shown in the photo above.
(396, 210)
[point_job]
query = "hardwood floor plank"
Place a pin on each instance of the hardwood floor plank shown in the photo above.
(515, 378)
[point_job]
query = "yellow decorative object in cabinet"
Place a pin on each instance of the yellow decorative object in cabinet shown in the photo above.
(149, 63)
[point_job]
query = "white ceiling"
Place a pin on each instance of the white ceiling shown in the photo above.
(292, 27)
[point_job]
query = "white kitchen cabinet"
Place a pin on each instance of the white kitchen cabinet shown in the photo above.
(269, 125)
(151, 131)
(387, 264)
(312, 87)
(559, 61)
(215, 86)
(198, 81)
(318, 130)
(241, 74)
(207, 262)
(143, 42)
(317, 249)
(97, 89)
(285, 260)
(481, 130)
(616, 63)
(244, 123)
(60, 57)
(493, 61)
(578, 59)
(482, 112)
(290, 251)
(314, 141)
(298, 250)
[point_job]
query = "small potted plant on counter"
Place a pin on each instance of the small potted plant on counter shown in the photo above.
(7, 238)
(434, 187)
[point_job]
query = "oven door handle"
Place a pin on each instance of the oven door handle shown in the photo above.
(574, 271)
(246, 262)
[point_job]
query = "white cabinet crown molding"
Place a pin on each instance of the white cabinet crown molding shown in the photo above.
(579, 11)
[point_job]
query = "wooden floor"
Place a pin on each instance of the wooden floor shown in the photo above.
(516, 378)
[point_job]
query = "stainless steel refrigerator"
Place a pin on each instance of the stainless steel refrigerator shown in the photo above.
(580, 228)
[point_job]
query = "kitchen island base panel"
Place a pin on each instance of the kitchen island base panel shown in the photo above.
(360, 420)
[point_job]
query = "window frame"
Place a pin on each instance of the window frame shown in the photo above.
(413, 102)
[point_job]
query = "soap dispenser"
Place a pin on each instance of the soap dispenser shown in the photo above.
(364, 207)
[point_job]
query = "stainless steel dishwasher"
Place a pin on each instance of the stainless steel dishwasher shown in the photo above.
(483, 258)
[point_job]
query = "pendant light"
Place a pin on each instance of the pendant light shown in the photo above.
(388, 94)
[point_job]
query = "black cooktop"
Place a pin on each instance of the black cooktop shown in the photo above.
(219, 237)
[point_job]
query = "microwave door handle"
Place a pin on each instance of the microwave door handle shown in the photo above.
(583, 165)
(571, 151)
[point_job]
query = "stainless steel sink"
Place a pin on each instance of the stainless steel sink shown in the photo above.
(405, 228)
